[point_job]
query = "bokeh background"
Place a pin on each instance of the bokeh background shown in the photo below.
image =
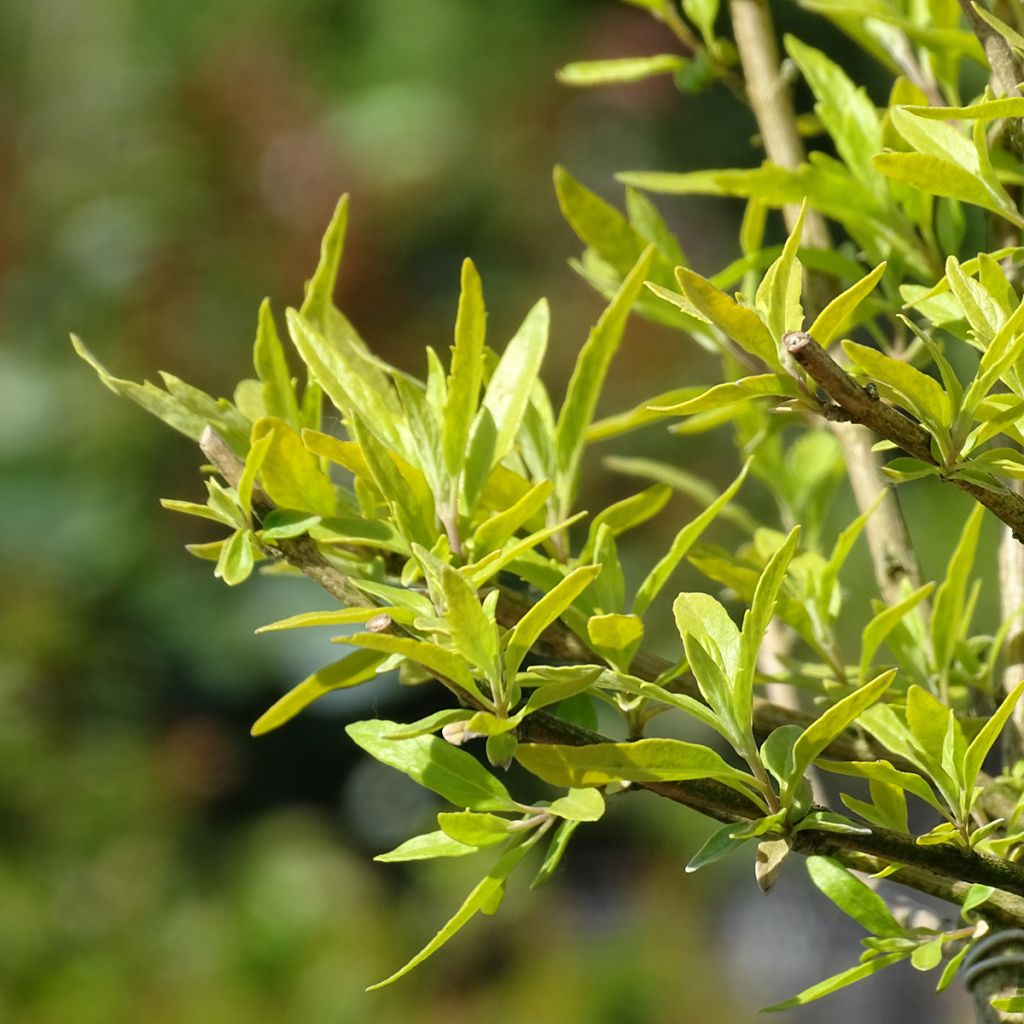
(162, 168)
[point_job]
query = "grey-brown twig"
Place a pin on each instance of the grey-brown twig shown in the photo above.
(863, 406)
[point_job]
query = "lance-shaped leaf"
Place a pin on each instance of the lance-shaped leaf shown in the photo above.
(884, 623)
(837, 316)
(626, 514)
(762, 385)
(938, 177)
(853, 897)
(450, 772)
(272, 370)
(987, 736)
(291, 474)
(623, 69)
(599, 225)
(716, 846)
(353, 669)
(701, 616)
(349, 376)
(467, 370)
(845, 110)
(738, 322)
(473, 633)
(545, 611)
(838, 981)
(684, 540)
(479, 900)
(474, 828)
(588, 379)
(778, 294)
(187, 410)
(505, 400)
(905, 384)
(427, 847)
(555, 852)
(493, 532)
(755, 623)
(821, 732)
(951, 597)
(650, 760)
(431, 656)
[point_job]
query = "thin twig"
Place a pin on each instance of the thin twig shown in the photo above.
(864, 406)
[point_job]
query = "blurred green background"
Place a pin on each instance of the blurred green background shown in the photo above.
(162, 168)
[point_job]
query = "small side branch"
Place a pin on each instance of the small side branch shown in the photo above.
(865, 407)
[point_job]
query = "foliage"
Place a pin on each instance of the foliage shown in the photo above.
(444, 512)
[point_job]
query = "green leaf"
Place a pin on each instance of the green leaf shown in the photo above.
(599, 225)
(353, 669)
(349, 376)
(543, 612)
(703, 14)
(431, 723)
(624, 69)
(493, 532)
(431, 656)
(939, 177)
(731, 392)
(845, 110)
(987, 736)
(950, 598)
(427, 847)
(755, 624)
(778, 295)
(556, 850)
(651, 760)
(272, 369)
(853, 897)
(684, 540)
(824, 729)
(928, 955)
(836, 317)
(741, 324)
(473, 828)
(451, 773)
(904, 384)
(473, 633)
(505, 400)
(588, 379)
(1011, 35)
(626, 514)
(683, 482)
(237, 559)
(701, 616)
(290, 474)
(838, 981)
(884, 623)
(319, 298)
(716, 846)
(950, 970)
(467, 370)
(480, 898)
(188, 411)
(883, 772)
(616, 637)
(403, 486)
(579, 805)
(976, 895)
(777, 752)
